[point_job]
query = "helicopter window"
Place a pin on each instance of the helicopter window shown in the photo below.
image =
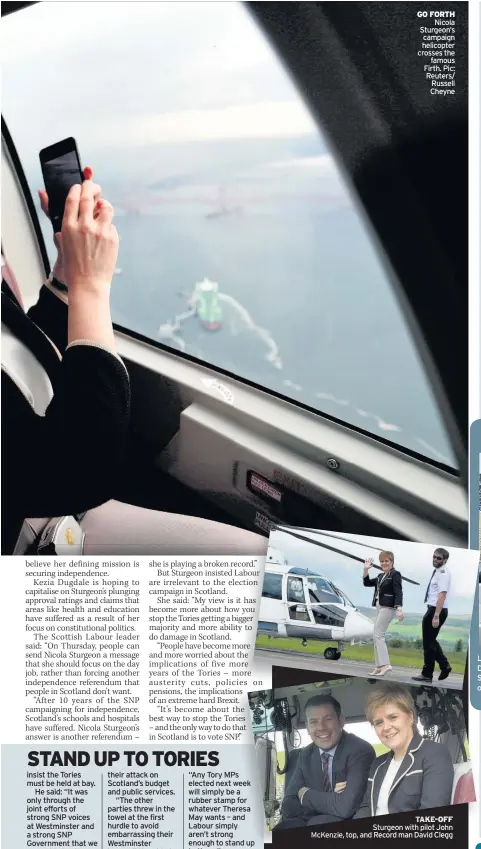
(232, 211)
(295, 593)
(325, 616)
(267, 626)
(299, 612)
(321, 590)
(272, 586)
(295, 590)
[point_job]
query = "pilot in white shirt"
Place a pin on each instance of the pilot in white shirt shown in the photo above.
(436, 599)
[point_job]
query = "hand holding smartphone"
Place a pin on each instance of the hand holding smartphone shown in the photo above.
(61, 170)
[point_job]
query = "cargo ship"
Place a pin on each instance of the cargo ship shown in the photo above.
(206, 300)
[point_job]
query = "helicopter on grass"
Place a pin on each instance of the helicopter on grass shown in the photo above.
(303, 603)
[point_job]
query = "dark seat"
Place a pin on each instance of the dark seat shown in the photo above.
(291, 765)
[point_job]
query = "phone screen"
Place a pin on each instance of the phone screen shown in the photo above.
(60, 174)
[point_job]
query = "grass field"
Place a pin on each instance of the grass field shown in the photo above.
(449, 634)
(399, 657)
(456, 628)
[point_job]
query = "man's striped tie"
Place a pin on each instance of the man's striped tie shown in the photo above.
(325, 772)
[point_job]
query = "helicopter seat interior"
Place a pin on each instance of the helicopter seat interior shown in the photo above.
(463, 784)
(115, 527)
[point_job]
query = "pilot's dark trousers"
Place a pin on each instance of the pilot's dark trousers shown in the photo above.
(433, 652)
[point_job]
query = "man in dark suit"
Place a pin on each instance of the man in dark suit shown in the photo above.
(331, 773)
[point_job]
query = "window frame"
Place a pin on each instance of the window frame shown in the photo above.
(312, 39)
(10, 7)
(290, 580)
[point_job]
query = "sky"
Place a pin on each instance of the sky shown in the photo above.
(172, 73)
(414, 560)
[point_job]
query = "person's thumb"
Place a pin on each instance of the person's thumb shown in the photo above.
(59, 240)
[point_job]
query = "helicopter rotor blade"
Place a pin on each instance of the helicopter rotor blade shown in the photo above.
(330, 534)
(336, 550)
(324, 545)
(346, 539)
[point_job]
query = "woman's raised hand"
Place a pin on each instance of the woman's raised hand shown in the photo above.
(367, 565)
(88, 240)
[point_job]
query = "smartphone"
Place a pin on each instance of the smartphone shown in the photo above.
(61, 169)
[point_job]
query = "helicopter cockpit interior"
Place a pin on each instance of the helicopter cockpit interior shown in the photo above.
(212, 436)
(278, 724)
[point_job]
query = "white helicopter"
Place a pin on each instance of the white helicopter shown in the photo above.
(299, 602)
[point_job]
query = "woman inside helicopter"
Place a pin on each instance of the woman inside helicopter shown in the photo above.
(417, 773)
(66, 404)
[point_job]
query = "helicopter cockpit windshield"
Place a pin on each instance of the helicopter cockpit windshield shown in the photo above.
(322, 591)
(347, 601)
